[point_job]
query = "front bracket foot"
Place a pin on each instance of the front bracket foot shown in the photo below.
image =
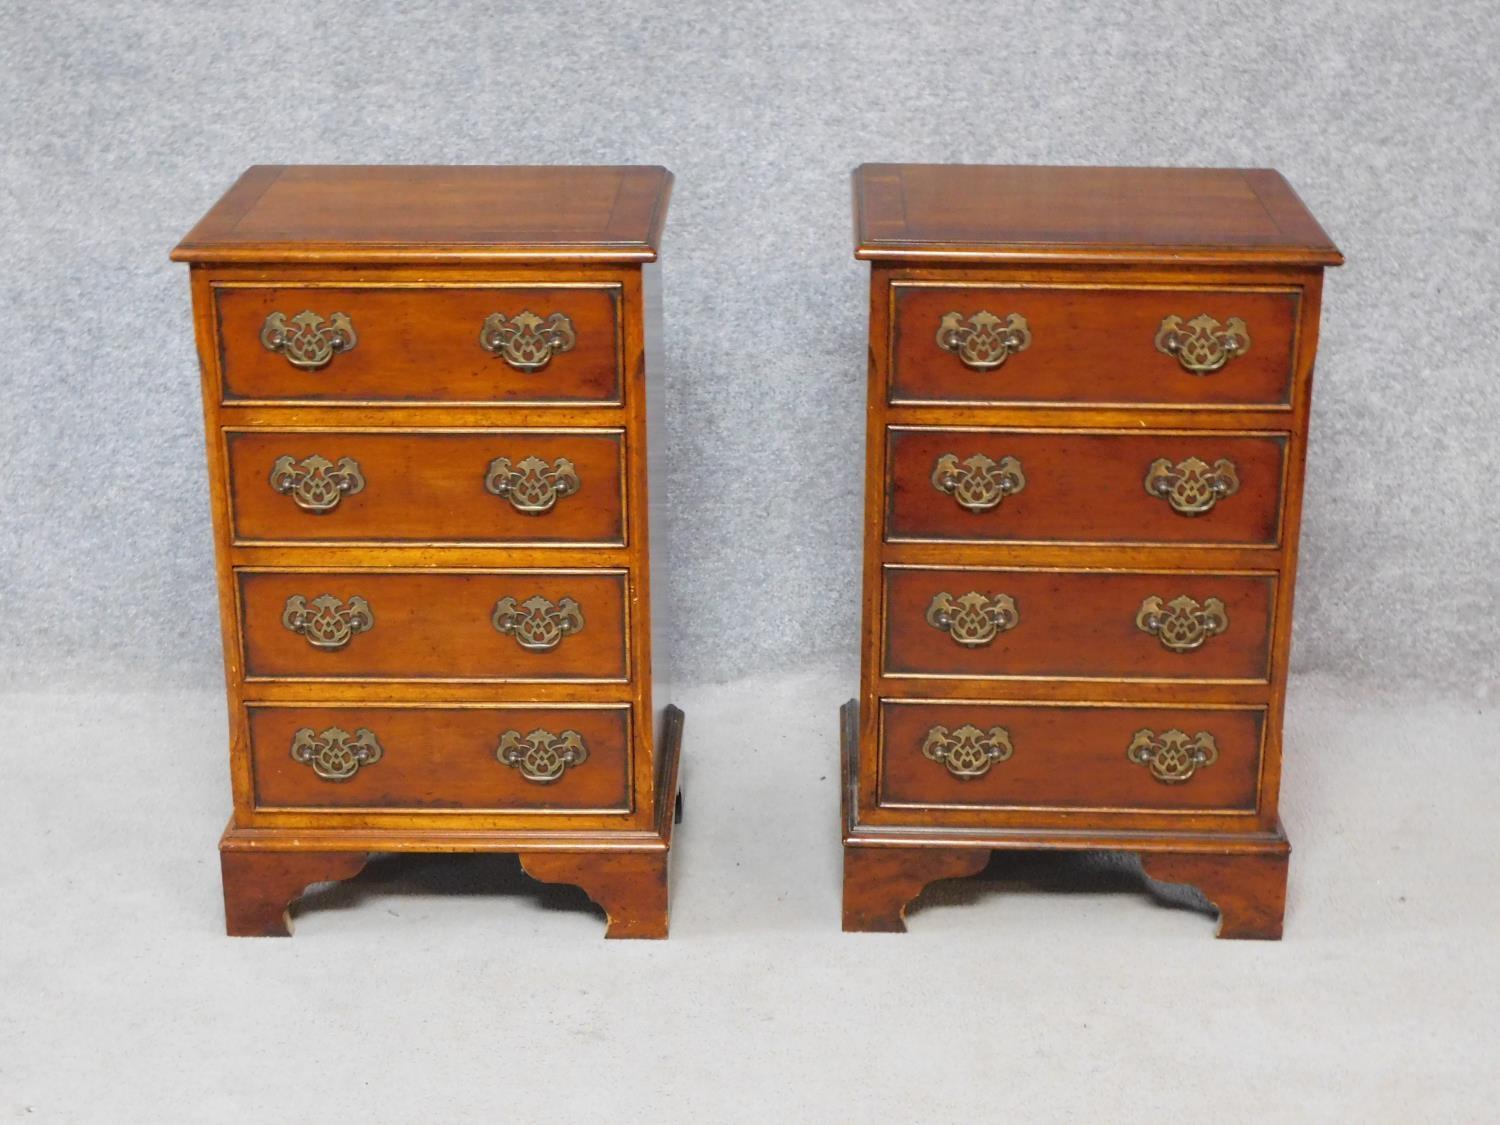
(260, 886)
(1248, 889)
(631, 887)
(881, 882)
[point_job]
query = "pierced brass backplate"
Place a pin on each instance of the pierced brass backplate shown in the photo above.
(315, 483)
(541, 756)
(1203, 345)
(326, 622)
(531, 485)
(967, 752)
(1192, 486)
(984, 341)
(536, 623)
(336, 755)
(307, 340)
(1182, 625)
(526, 341)
(974, 619)
(1173, 756)
(978, 484)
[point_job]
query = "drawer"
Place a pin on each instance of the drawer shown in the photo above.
(1117, 758)
(525, 625)
(976, 623)
(499, 759)
(552, 344)
(1020, 344)
(490, 486)
(1085, 486)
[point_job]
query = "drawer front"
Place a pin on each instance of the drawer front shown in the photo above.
(1085, 486)
(1068, 624)
(553, 344)
(526, 625)
(991, 344)
(990, 756)
(462, 758)
(494, 486)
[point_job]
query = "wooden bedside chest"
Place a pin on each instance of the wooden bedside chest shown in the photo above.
(426, 402)
(1088, 409)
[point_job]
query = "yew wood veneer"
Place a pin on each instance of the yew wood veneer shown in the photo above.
(1088, 411)
(426, 402)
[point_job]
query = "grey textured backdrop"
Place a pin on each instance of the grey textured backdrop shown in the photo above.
(123, 122)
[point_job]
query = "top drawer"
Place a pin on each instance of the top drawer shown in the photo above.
(1140, 347)
(554, 344)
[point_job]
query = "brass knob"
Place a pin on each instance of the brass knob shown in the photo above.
(1202, 345)
(531, 485)
(541, 756)
(336, 755)
(1192, 487)
(526, 341)
(978, 484)
(967, 752)
(537, 624)
(316, 484)
(307, 340)
(984, 341)
(326, 622)
(1173, 756)
(974, 619)
(1182, 625)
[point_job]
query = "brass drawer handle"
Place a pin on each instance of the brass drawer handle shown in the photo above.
(307, 340)
(526, 341)
(315, 483)
(336, 755)
(974, 619)
(1182, 625)
(326, 622)
(531, 485)
(1192, 486)
(978, 484)
(985, 341)
(1172, 756)
(1203, 345)
(541, 756)
(536, 623)
(967, 752)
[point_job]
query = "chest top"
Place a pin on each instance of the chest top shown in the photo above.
(409, 213)
(1193, 216)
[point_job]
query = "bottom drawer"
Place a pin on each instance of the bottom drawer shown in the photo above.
(467, 758)
(1097, 757)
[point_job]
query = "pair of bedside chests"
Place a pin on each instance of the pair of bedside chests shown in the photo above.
(431, 398)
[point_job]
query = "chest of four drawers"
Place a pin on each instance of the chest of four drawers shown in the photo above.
(1087, 424)
(426, 402)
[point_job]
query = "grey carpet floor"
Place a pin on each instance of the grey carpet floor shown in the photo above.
(1050, 988)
